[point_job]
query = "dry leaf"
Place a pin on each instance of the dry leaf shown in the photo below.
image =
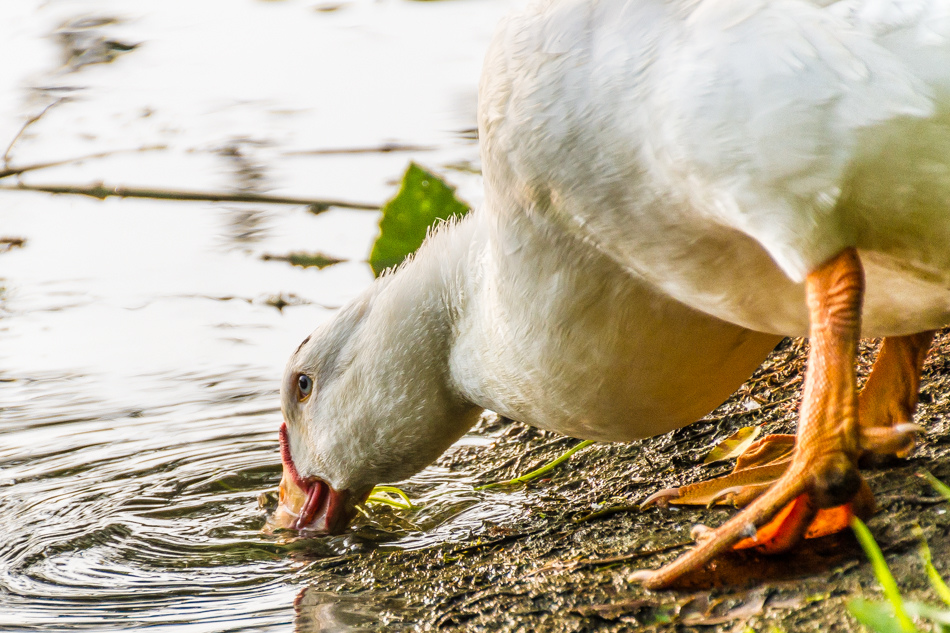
(734, 445)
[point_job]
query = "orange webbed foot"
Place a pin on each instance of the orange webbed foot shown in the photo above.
(823, 470)
(821, 488)
(761, 464)
(802, 518)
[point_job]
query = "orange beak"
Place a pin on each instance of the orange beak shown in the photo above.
(309, 503)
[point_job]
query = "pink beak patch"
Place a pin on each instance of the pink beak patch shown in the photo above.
(322, 509)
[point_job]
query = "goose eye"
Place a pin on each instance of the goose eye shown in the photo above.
(304, 386)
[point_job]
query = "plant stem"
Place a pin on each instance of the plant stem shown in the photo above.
(102, 191)
(884, 576)
(534, 474)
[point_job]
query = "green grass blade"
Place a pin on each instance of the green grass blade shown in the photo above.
(876, 616)
(543, 470)
(379, 494)
(938, 485)
(884, 576)
(393, 490)
(936, 580)
(938, 616)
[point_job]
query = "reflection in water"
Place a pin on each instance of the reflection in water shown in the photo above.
(138, 410)
(83, 42)
(324, 612)
(248, 223)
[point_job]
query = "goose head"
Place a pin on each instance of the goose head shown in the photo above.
(368, 398)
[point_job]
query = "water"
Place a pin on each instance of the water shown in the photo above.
(140, 345)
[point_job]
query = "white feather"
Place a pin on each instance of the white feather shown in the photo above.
(660, 176)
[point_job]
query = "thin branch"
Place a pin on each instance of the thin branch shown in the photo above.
(102, 191)
(23, 128)
(385, 148)
(15, 171)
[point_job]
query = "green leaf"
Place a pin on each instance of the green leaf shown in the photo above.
(305, 260)
(423, 200)
(385, 495)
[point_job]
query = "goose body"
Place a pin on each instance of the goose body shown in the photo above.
(516, 318)
(720, 150)
(661, 177)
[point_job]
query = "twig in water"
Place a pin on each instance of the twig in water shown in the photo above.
(102, 192)
(571, 565)
(304, 260)
(385, 148)
(613, 560)
(500, 541)
(606, 512)
(23, 128)
(15, 171)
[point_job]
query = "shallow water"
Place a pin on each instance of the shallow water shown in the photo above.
(140, 345)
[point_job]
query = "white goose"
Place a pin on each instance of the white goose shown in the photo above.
(670, 186)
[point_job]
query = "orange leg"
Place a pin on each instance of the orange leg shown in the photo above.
(885, 409)
(824, 468)
(887, 402)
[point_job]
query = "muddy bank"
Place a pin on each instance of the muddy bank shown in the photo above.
(562, 565)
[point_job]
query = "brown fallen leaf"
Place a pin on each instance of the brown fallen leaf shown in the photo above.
(734, 445)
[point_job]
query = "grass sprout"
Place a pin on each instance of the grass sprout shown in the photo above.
(390, 496)
(868, 613)
(894, 614)
(543, 470)
(938, 485)
(936, 580)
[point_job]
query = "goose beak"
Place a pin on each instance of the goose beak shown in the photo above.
(309, 503)
(312, 505)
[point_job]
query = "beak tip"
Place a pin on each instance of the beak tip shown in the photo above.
(312, 505)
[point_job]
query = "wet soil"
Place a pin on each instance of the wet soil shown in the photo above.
(564, 565)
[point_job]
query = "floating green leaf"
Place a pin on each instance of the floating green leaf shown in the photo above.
(305, 260)
(423, 200)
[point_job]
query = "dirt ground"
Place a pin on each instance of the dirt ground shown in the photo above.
(564, 568)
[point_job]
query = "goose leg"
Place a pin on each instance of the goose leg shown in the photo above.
(887, 402)
(886, 407)
(823, 472)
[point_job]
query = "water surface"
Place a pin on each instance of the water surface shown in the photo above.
(141, 342)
